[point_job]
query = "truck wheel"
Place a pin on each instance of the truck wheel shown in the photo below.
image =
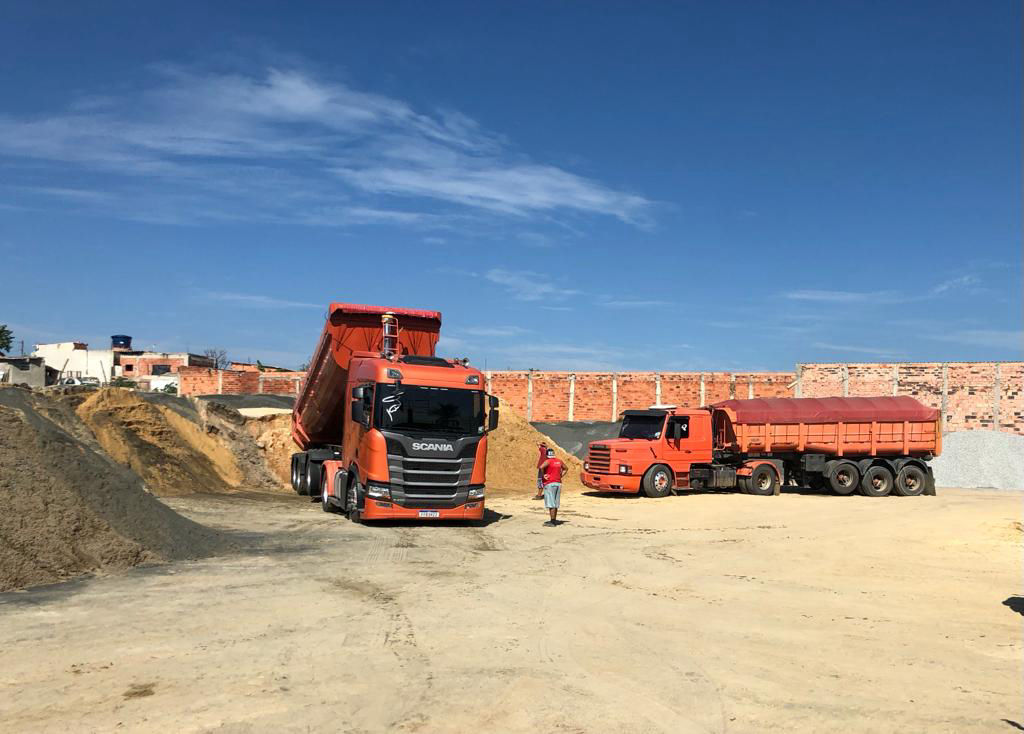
(314, 476)
(657, 481)
(763, 481)
(877, 482)
(352, 503)
(844, 479)
(325, 498)
(744, 484)
(910, 482)
(302, 467)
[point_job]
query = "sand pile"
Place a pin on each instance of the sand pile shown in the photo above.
(67, 509)
(272, 435)
(172, 454)
(512, 456)
(980, 460)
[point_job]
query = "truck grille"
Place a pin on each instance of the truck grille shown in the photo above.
(429, 479)
(600, 459)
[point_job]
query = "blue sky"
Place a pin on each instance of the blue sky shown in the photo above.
(666, 186)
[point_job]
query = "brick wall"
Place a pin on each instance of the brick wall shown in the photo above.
(143, 366)
(971, 395)
(204, 381)
(601, 396)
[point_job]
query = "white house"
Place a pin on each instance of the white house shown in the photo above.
(75, 359)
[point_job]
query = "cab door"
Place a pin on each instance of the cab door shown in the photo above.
(687, 441)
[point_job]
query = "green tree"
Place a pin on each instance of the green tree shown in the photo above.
(6, 338)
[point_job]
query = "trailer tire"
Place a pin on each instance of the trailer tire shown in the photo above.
(744, 484)
(844, 479)
(763, 481)
(314, 476)
(911, 481)
(876, 482)
(657, 482)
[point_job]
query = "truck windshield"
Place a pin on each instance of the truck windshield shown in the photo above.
(419, 408)
(642, 426)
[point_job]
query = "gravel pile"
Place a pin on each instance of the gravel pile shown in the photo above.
(980, 460)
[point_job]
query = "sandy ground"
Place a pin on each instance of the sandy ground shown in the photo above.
(706, 613)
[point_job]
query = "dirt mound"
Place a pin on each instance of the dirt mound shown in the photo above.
(512, 456)
(273, 437)
(67, 509)
(172, 454)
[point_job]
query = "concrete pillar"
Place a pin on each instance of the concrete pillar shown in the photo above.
(657, 388)
(732, 385)
(298, 383)
(259, 384)
(799, 381)
(529, 395)
(487, 383)
(895, 380)
(615, 397)
(945, 391)
(702, 393)
(845, 372)
(572, 395)
(996, 389)
(750, 388)
(220, 382)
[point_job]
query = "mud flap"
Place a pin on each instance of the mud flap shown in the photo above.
(929, 485)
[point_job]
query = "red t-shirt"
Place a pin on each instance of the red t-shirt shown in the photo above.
(543, 454)
(553, 471)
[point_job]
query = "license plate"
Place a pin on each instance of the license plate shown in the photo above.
(429, 513)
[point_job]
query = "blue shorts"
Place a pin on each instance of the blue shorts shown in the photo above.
(552, 494)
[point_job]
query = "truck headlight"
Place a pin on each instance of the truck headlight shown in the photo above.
(586, 466)
(623, 468)
(378, 491)
(476, 493)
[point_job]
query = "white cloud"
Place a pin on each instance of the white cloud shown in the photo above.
(258, 301)
(626, 304)
(526, 285)
(498, 331)
(287, 146)
(885, 297)
(989, 338)
(881, 353)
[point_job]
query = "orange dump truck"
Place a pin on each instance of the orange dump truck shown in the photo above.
(875, 445)
(386, 428)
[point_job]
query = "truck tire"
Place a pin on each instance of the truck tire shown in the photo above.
(326, 504)
(910, 482)
(877, 482)
(296, 476)
(302, 467)
(763, 481)
(657, 482)
(352, 502)
(844, 479)
(314, 475)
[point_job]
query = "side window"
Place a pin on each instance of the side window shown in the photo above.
(368, 399)
(678, 428)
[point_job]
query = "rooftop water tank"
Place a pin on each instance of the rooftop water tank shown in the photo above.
(121, 343)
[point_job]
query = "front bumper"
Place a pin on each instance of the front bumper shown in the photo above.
(611, 482)
(384, 510)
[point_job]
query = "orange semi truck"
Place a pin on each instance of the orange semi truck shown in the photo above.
(875, 445)
(386, 428)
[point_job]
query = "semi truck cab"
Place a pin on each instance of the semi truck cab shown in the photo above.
(653, 452)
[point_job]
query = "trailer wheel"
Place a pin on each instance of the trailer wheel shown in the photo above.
(910, 482)
(844, 479)
(657, 481)
(877, 482)
(314, 476)
(763, 481)
(744, 484)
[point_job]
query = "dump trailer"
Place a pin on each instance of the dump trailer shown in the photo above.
(876, 446)
(387, 429)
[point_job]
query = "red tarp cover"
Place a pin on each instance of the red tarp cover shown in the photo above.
(827, 410)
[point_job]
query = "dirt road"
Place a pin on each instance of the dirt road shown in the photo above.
(707, 613)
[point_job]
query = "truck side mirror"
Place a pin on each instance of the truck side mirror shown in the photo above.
(358, 393)
(492, 418)
(675, 430)
(358, 412)
(492, 402)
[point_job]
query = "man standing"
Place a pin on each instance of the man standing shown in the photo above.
(553, 470)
